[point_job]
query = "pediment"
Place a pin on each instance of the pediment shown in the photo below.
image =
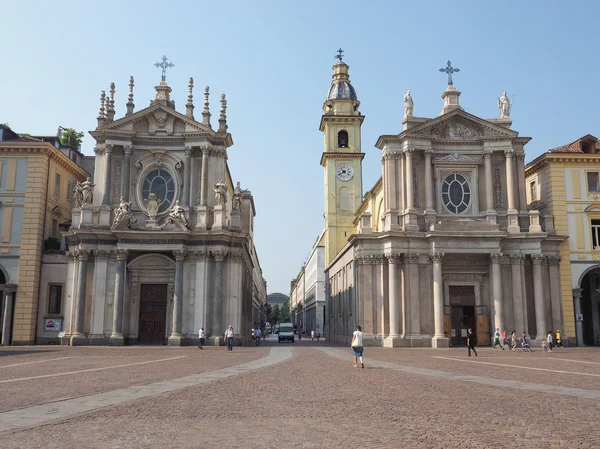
(157, 119)
(460, 125)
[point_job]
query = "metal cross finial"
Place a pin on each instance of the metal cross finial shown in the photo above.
(164, 65)
(449, 70)
(340, 54)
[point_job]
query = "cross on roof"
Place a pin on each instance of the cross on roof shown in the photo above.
(164, 65)
(340, 54)
(449, 70)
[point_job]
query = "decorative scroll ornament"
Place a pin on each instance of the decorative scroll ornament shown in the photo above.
(495, 257)
(436, 257)
(457, 157)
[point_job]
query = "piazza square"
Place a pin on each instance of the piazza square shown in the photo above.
(218, 231)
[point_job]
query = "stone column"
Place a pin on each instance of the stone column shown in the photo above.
(412, 299)
(217, 306)
(187, 172)
(489, 187)
(99, 295)
(202, 312)
(520, 158)
(365, 294)
(127, 150)
(116, 337)
(497, 290)
(516, 260)
(429, 203)
(8, 313)
(410, 218)
(393, 295)
(175, 339)
(538, 294)
(511, 213)
(204, 180)
(577, 307)
(108, 160)
(555, 292)
(439, 339)
(82, 256)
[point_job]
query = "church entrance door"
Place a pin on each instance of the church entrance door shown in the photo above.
(153, 313)
(462, 313)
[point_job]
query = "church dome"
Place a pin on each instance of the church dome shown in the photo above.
(341, 88)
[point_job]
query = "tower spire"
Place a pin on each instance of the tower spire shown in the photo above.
(189, 107)
(223, 116)
(206, 111)
(130, 104)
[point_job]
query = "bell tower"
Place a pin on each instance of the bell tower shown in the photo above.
(342, 159)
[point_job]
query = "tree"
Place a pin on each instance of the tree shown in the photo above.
(268, 312)
(69, 136)
(285, 311)
(275, 314)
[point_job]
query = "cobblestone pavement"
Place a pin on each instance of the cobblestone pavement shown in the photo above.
(318, 401)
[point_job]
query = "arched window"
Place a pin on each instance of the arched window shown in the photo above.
(161, 183)
(342, 139)
(456, 193)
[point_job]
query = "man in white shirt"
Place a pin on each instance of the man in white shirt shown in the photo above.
(257, 335)
(201, 335)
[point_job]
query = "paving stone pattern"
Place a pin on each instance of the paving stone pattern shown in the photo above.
(316, 400)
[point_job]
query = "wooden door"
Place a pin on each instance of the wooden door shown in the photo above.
(153, 313)
(463, 318)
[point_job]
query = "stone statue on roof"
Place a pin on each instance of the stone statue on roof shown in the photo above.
(504, 105)
(408, 105)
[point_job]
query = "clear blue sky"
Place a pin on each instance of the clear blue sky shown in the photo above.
(273, 59)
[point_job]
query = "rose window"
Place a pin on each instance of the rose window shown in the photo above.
(161, 183)
(456, 193)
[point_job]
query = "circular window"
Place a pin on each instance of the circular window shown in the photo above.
(456, 193)
(161, 183)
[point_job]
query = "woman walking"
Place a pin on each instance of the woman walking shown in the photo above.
(471, 343)
(229, 338)
(357, 347)
(513, 341)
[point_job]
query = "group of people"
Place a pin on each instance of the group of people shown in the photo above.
(547, 344)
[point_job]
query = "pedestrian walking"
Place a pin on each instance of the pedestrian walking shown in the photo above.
(525, 344)
(549, 339)
(471, 342)
(201, 336)
(357, 347)
(312, 334)
(513, 341)
(505, 341)
(544, 345)
(497, 339)
(229, 338)
(257, 335)
(558, 339)
(318, 336)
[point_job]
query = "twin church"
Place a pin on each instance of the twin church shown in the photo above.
(444, 240)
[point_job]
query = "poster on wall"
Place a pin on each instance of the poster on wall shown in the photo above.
(53, 324)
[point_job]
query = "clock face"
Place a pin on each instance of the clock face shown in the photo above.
(344, 172)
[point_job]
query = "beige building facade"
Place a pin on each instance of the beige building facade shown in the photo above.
(564, 185)
(444, 241)
(36, 176)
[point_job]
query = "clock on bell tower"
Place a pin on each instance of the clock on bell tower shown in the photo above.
(342, 160)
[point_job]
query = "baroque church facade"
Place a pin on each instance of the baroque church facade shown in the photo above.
(161, 240)
(444, 241)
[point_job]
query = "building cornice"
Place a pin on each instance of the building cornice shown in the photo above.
(341, 156)
(53, 153)
(560, 158)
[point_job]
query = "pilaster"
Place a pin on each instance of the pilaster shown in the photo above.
(497, 290)
(538, 293)
(99, 294)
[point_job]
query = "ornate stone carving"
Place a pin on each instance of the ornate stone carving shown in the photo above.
(504, 106)
(495, 257)
(457, 157)
(83, 192)
(99, 150)
(201, 254)
(462, 277)
(108, 148)
(122, 215)
(498, 202)
(554, 260)
(188, 150)
(219, 255)
(408, 105)
(408, 151)
(487, 154)
(509, 153)
(537, 259)
(454, 129)
(415, 186)
(436, 257)
(127, 149)
(520, 156)
(236, 256)
(180, 254)
(517, 259)
(121, 254)
(394, 258)
(101, 254)
(220, 189)
(428, 152)
(82, 254)
(414, 257)
(152, 204)
(177, 215)
(116, 182)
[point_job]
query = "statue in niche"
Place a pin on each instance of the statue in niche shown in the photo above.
(152, 204)
(504, 106)
(408, 105)
(178, 214)
(220, 189)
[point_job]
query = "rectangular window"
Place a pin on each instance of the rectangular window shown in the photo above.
(57, 185)
(69, 190)
(55, 295)
(596, 234)
(533, 189)
(54, 228)
(593, 184)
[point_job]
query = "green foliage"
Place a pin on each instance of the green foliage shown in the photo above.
(69, 136)
(285, 312)
(274, 315)
(51, 243)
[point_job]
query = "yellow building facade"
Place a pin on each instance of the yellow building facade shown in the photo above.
(36, 180)
(563, 184)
